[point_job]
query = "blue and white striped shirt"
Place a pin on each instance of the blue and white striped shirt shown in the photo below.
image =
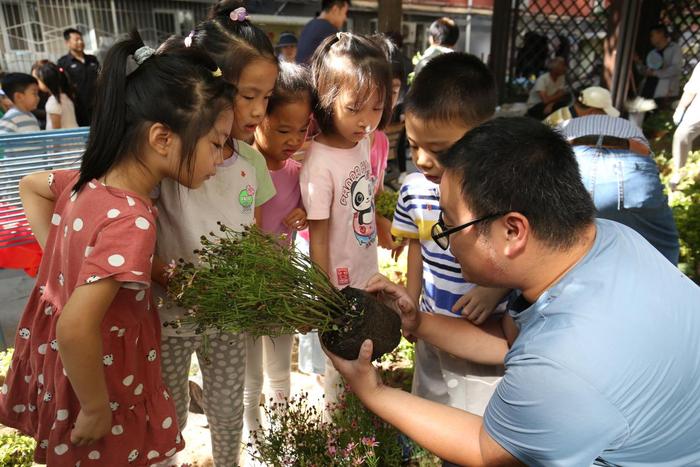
(16, 121)
(595, 125)
(417, 210)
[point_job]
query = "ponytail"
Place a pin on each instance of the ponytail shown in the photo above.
(108, 139)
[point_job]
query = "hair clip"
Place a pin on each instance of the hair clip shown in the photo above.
(60, 69)
(240, 14)
(341, 34)
(217, 73)
(188, 39)
(142, 54)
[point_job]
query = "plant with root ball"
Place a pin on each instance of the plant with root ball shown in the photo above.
(249, 282)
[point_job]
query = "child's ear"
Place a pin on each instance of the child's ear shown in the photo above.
(161, 138)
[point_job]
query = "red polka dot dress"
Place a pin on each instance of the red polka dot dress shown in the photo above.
(97, 233)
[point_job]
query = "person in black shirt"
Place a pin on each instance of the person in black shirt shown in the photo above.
(82, 70)
(332, 17)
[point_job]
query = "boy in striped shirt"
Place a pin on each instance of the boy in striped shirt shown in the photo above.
(23, 90)
(453, 94)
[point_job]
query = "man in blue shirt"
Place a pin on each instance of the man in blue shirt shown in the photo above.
(600, 346)
(332, 17)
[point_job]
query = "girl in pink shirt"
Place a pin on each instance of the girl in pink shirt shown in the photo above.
(278, 137)
(352, 81)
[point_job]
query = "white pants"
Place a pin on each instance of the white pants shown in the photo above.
(687, 131)
(269, 359)
(444, 378)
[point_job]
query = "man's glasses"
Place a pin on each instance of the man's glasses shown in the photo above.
(441, 234)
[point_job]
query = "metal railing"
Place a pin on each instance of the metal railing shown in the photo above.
(22, 154)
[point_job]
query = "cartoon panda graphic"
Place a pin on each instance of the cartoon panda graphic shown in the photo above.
(361, 192)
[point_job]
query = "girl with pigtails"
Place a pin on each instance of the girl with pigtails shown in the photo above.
(234, 197)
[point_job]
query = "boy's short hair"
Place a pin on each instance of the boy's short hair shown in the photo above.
(444, 32)
(326, 5)
(69, 31)
(453, 86)
(16, 82)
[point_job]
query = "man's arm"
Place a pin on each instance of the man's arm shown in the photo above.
(486, 344)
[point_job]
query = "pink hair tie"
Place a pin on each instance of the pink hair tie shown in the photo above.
(239, 14)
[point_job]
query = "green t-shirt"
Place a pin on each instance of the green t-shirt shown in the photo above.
(266, 188)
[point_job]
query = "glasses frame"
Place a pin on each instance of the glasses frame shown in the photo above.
(445, 232)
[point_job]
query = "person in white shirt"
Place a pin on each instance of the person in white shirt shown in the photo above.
(60, 111)
(663, 68)
(687, 117)
(549, 92)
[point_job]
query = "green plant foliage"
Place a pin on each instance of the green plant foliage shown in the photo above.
(5, 360)
(16, 450)
(385, 203)
(685, 202)
(249, 282)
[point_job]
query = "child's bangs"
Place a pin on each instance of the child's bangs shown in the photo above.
(363, 82)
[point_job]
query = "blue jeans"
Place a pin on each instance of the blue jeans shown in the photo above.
(626, 188)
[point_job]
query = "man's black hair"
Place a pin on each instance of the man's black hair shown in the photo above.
(69, 31)
(326, 5)
(453, 87)
(521, 164)
(444, 32)
(16, 82)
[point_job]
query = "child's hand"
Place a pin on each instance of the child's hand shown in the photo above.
(296, 219)
(90, 426)
(478, 304)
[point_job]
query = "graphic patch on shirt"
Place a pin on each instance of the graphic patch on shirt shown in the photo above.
(343, 276)
(246, 197)
(359, 187)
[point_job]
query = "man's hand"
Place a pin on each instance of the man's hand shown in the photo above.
(397, 298)
(360, 374)
(90, 426)
(296, 219)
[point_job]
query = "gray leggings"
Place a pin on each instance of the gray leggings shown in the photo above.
(223, 375)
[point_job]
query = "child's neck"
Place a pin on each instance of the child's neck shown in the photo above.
(272, 163)
(132, 177)
(21, 108)
(335, 140)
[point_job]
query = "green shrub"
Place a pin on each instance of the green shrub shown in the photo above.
(16, 450)
(685, 202)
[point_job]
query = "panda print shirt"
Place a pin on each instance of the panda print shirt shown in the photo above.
(97, 233)
(337, 184)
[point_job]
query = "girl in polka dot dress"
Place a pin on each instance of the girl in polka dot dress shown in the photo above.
(85, 379)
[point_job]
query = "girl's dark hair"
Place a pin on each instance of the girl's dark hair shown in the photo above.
(368, 71)
(232, 44)
(293, 84)
(393, 54)
(54, 78)
(176, 88)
